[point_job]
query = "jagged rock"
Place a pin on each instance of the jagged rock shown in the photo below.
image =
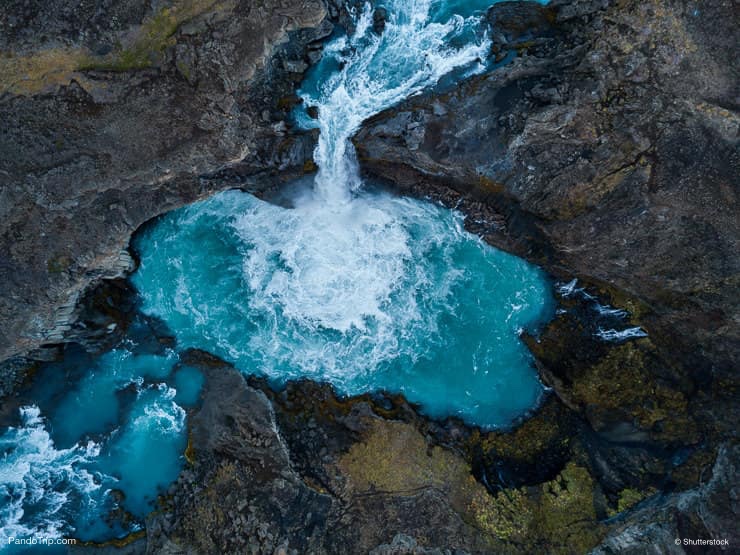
(588, 147)
(606, 150)
(113, 115)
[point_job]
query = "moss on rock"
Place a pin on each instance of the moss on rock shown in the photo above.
(528, 441)
(558, 515)
(34, 72)
(628, 498)
(396, 458)
(624, 381)
(153, 38)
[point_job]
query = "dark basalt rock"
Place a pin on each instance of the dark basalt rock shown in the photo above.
(300, 470)
(606, 150)
(602, 162)
(380, 16)
(114, 114)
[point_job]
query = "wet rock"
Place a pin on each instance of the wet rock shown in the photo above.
(581, 155)
(113, 115)
(380, 16)
(295, 66)
(304, 470)
(705, 512)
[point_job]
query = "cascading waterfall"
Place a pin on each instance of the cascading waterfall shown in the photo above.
(343, 257)
(378, 70)
(350, 285)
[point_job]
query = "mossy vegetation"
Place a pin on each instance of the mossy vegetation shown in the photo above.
(58, 264)
(189, 453)
(395, 459)
(31, 73)
(623, 381)
(566, 518)
(208, 515)
(117, 542)
(153, 38)
(528, 441)
(697, 468)
(558, 515)
(630, 497)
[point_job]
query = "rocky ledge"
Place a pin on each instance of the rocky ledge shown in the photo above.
(301, 471)
(113, 115)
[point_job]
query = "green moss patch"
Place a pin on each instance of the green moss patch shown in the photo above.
(154, 37)
(558, 515)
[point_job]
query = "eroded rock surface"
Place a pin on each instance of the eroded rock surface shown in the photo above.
(114, 114)
(301, 471)
(606, 150)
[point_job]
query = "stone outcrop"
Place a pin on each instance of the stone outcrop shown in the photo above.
(606, 150)
(301, 471)
(113, 115)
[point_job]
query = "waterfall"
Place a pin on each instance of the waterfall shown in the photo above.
(375, 71)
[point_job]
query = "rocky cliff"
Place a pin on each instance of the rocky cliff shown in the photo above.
(605, 150)
(613, 135)
(115, 113)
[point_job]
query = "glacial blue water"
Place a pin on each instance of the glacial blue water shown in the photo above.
(339, 282)
(104, 435)
(384, 293)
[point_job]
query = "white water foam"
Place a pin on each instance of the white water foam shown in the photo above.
(377, 71)
(610, 335)
(567, 289)
(162, 414)
(340, 256)
(606, 310)
(36, 474)
(349, 270)
(613, 335)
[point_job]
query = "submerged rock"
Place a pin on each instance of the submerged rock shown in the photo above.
(380, 16)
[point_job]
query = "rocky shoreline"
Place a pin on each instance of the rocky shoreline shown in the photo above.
(264, 466)
(587, 164)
